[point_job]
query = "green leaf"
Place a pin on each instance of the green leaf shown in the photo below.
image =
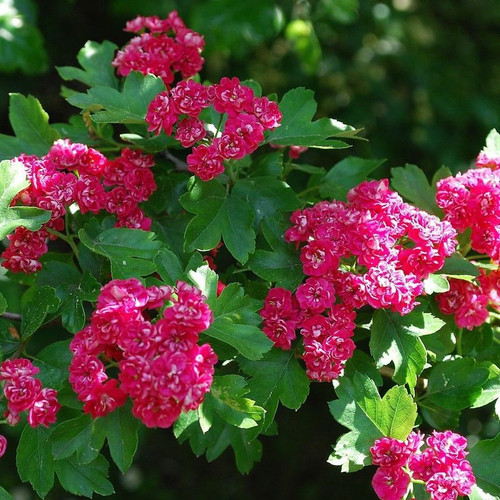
(108, 105)
(30, 123)
(4, 495)
(34, 459)
(369, 417)
(277, 377)
(492, 147)
(130, 251)
(12, 181)
(345, 175)
(3, 304)
(53, 362)
(282, 265)
(9, 339)
(235, 323)
(169, 267)
(82, 436)
(121, 428)
(436, 283)
(300, 34)
(297, 128)
(411, 183)
(217, 215)
(267, 196)
(84, 479)
(44, 302)
(226, 399)
(205, 280)
(95, 59)
(72, 289)
(391, 341)
(484, 458)
(458, 267)
(491, 389)
(439, 418)
(456, 384)
(21, 43)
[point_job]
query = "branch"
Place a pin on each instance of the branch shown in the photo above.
(11, 316)
(179, 164)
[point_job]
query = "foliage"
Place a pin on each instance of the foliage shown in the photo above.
(206, 255)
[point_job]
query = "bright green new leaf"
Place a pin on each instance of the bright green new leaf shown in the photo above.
(30, 123)
(485, 460)
(130, 251)
(235, 323)
(277, 377)
(217, 215)
(84, 479)
(369, 417)
(411, 183)
(34, 459)
(108, 105)
(226, 398)
(492, 147)
(491, 389)
(456, 384)
(394, 340)
(297, 128)
(267, 196)
(44, 302)
(282, 265)
(53, 362)
(345, 175)
(12, 181)
(205, 279)
(72, 289)
(436, 283)
(95, 59)
(4, 495)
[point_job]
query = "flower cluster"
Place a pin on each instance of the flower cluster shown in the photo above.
(3, 445)
(441, 465)
(75, 173)
(161, 366)
(372, 250)
(469, 302)
(247, 117)
(472, 200)
(24, 392)
(154, 51)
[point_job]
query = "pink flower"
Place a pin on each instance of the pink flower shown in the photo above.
(389, 452)
(390, 483)
(3, 445)
(44, 408)
(206, 162)
(104, 398)
(21, 392)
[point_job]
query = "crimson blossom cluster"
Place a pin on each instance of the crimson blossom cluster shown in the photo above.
(151, 335)
(155, 52)
(372, 250)
(73, 173)
(24, 392)
(246, 119)
(442, 466)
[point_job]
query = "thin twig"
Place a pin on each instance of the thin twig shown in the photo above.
(179, 164)
(11, 316)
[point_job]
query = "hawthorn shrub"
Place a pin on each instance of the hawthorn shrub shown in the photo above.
(204, 275)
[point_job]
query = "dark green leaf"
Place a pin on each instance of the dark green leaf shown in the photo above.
(95, 59)
(34, 459)
(391, 341)
(3, 304)
(282, 265)
(297, 128)
(266, 196)
(108, 105)
(9, 339)
(44, 301)
(12, 180)
(411, 183)
(485, 460)
(345, 175)
(277, 377)
(53, 362)
(459, 267)
(30, 123)
(218, 215)
(235, 323)
(456, 384)
(72, 289)
(84, 479)
(130, 251)
(169, 267)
